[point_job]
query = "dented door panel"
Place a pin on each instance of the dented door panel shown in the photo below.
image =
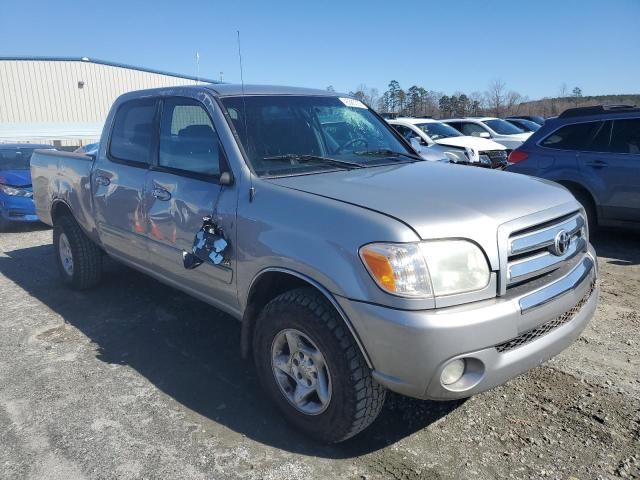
(173, 224)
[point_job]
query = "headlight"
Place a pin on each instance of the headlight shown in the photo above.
(398, 268)
(15, 192)
(455, 266)
(457, 157)
(427, 269)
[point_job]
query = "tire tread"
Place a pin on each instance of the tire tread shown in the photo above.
(87, 257)
(369, 394)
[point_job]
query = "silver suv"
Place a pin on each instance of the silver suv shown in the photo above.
(353, 265)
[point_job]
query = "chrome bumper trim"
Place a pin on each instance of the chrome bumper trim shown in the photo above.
(561, 286)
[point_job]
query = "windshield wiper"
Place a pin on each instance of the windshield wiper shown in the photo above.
(314, 158)
(385, 152)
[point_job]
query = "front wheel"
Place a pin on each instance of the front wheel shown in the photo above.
(312, 368)
(79, 259)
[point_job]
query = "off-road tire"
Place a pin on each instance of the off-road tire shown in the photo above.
(87, 257)
(356, 397)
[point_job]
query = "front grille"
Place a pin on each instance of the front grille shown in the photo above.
(537, 332)
(537, 250)
(498, 157)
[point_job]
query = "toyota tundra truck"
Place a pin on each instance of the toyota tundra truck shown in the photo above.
(354, 266)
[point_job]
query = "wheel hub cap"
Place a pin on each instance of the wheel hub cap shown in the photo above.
(301, 371)
(66, 257)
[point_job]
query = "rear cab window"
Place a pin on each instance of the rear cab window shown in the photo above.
(133, 132)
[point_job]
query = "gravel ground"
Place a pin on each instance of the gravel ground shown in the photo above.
(136, 380)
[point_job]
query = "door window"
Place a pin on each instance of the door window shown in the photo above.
(132, 134)
(572, 137)
(406, 132)
(602, 139)
(472, 129)
(188, 140)
(625, 137)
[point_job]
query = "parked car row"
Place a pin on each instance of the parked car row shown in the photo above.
(434, 139)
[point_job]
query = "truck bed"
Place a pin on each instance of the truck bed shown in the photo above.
(62, 176)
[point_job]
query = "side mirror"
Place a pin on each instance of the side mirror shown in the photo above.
(225, 179)
(484, 135)
(415, 143)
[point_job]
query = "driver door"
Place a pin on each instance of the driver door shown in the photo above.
(182, 189)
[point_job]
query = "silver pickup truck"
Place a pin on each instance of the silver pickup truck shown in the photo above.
(353, 265)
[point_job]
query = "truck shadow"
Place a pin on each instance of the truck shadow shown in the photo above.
(190, 351)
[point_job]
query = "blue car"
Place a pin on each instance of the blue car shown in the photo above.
(595, 153)
(16, 195)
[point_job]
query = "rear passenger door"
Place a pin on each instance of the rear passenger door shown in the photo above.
(613, 161)
(182, 188)
(119, 178)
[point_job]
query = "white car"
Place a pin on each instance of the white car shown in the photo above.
(496, 129)
(426, 134)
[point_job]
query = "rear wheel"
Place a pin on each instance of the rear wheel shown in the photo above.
(79, 259)
(312, 368)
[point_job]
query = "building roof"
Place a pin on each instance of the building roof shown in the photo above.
(110, 64)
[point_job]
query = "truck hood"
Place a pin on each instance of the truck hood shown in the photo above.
(15, 178)
(478, 144)
(438, 200)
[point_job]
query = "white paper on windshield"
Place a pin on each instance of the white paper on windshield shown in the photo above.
(352, 102)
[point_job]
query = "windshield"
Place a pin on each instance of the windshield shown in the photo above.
(527, 125)
(502, 127)
(292, 135)
(15, 158)
(437, 130)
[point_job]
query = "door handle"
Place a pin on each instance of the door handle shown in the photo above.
(598, 164)
(161, 194)
(102, 180)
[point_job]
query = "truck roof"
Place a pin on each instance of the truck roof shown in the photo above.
(230, 89)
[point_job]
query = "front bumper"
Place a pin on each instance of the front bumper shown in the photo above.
(500, 338)
(18, 209)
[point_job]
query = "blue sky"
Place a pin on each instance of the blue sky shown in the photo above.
(533, 46)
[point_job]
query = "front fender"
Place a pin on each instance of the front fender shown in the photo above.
(316, 237)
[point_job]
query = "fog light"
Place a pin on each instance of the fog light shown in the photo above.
(453, 371)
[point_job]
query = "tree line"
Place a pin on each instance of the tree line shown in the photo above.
(497, 100)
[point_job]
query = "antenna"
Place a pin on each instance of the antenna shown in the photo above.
(252, 190)
(197, 68)
(244, 106)
(240, 58)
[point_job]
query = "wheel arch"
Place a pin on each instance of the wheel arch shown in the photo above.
(60, 208)
(273, 281)
(572, 186)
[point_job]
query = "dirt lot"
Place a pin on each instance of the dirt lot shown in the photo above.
(136, 380)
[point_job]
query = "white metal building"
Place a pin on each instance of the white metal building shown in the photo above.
(64, 101)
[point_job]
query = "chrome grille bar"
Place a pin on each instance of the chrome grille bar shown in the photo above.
(538, 239)
(532, 252)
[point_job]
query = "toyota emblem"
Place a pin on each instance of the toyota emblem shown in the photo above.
(561, 243)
